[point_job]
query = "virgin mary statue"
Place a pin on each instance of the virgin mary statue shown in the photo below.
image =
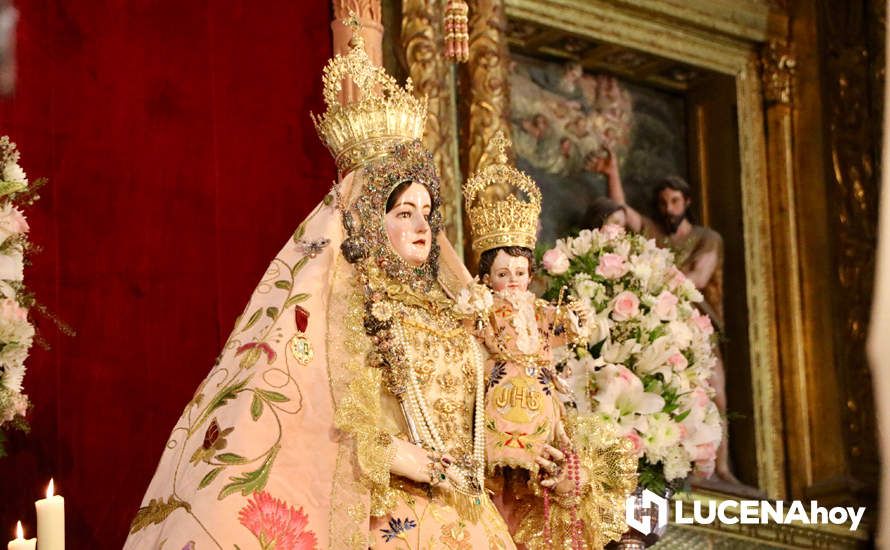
(346, 408)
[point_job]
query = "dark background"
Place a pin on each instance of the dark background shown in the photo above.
(177, 141)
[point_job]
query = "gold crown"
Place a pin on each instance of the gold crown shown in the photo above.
(384, 114)
(503, 203)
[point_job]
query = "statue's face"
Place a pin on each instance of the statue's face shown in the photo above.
(408, 226)
(508, 272)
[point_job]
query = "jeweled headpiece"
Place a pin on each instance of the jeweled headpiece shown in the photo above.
(364, 219)
(383, 115)
(503, 202)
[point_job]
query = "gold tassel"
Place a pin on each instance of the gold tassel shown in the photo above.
(467, 505)
(457, 36)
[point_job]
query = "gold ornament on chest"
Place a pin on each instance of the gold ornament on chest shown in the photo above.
(517, 399)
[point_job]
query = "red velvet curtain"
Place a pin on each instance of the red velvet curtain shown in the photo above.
(177, 140)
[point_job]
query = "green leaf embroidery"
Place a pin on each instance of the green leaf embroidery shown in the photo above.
(298, 234)
(253, 319)
(256, 407)
(231, 458)
(273, 396)
(251, 482)
(295, 299)
(298, 266)
(272, 312)
(250, 358)
(221, 398)
(211, 475)
(156, 512)
(283, 284)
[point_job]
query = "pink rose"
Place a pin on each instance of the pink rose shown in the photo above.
(625, 306)
(555, 261)
(703, 322)
(611, 231)
(665, 306)
(11, 310)
(611, 266)
(678, 361)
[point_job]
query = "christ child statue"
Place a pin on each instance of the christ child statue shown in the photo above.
(523, 413)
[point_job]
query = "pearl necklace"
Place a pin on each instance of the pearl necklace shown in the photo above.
(417, 404)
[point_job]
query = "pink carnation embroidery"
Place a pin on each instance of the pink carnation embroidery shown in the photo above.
(276, 524)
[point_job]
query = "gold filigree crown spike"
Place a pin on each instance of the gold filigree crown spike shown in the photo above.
(382, 115)
(503, 202)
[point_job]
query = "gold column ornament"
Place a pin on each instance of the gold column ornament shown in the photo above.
(369, 15)
(489, 94)
(434, 78)
(853, 57)
(778, 65)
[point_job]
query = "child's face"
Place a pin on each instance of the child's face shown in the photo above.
(508, 272)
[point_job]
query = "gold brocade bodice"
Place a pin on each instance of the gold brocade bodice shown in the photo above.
(440, 351)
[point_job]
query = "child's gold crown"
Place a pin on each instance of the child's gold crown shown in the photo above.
(503, 203)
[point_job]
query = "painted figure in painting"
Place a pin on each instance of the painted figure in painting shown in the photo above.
(698, 252)
(562, 120)
(347, 407)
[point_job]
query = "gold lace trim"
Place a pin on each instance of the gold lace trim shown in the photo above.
(612, 467)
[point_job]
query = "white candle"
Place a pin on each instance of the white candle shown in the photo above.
(20, 543)
(51, 520)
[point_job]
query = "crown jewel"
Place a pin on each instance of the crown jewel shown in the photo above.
(503, 203)
(384, 113)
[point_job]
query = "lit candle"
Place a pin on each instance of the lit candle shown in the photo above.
(51, 520)
(20, 543)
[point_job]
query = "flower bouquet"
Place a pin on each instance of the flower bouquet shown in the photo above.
(647, 366)
(16, 331)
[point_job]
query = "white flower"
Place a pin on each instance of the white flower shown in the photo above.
(665, 307)
(703, 432)
(681, 333)
(12, 172)
(653, 358)
(586, 288)
(661, 434)
(12, 377)
(687, 289)
(619, 352)
(677, 464)
(12, 222)
(598, 327)
(642, 270)
(582, 243)
(12, 266)
(620, 394)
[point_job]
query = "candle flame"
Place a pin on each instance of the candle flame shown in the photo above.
(19, 532)
(49, 488)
